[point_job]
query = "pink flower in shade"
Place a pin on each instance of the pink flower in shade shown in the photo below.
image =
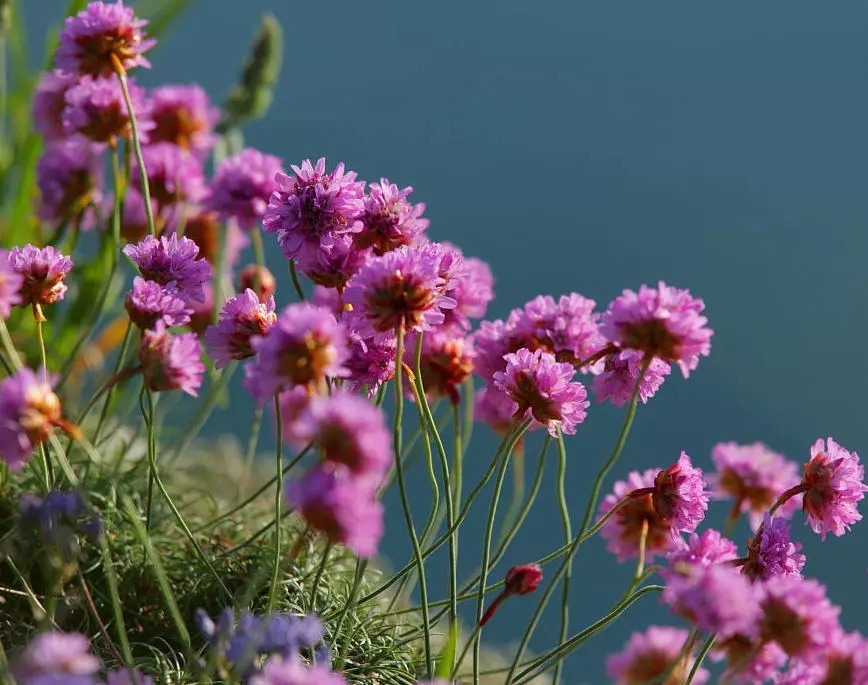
(174, 175)
(754, 476)
(702, 550)
(472, 288)
(623, 531)
(748, 660)
(400, 289)
(680, 496)
(445, 363)
(846, 662)
(260, 280)
(333, 269)
(492, 340)
(449, 261)
(371, 361)
(69, 176)
(95, 109)
(242, 318)
(772, 553)
(330, 298)
(124, 676)
(543, 388)
(171, 362)
(49, 101)
(617, 381)
(389, 221)
(184, 116)
(341, 506)
(148, 302)
(308, 211)
(56, 654)
(293, 413)
(663, 322)
(649, 655)
(716, 598)
(172, 260)
(29, 410)
(100, 36)
(10, 285)
(242, 185)
(44, 270)
(833, 482)
(801, 673)
(491, 406)
(279, 671)
(305, 345)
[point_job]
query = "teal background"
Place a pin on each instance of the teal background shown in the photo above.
(591, 147)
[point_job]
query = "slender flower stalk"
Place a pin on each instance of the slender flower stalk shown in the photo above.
(275, 576)
(568, 535)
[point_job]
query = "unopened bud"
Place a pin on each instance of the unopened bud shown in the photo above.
(520, 580)
(259, 279)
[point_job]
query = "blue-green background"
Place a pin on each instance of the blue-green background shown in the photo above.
(591, 147)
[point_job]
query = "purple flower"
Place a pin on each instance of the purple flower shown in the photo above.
(492, 340)
(174, 175)
(680, 496)
(389, 221)
(44, 270)
(29, 410)
(69, 176)
(491, 406)
(400, 289)
(57, 654)
(148, 302)
(123, 676)
(798, 616)
(846, 660)
(333, 269)
(184, 116)
(472, 288)
(702, 550)
(617, 381)
(749, 660)
(242, 185)
(49, 101)
(371, 360)
(95, 109)
(310, 210)
(341, 506)
(754, 476)
(60, 517)
(305, 345)
(801, 673)
(662, 322)
(771, 553)
(171, 362)
(446, 361)
(279, 671)
(10, 285)
(833, 481)
(543, 388)
(330, 298)
(649, 655)
(241, 318)
(172, 260)
(100, 37)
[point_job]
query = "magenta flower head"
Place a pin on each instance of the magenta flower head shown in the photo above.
(333, 269)
(171, 362)
(69, 176)
(148, 302)
(754, 476)
(371, 361)
(172, 260)
(702, 550)
(10, 285)
(390, 220)
(29, 411)
(63, 656)
(749, 659)
(662, 322)
(49, 101)
(772, 553)
(174, 174)
(649, 656)
(279, 671)
(44, 270)
(491, 406)
(472, 288)
(834, 485)
(519, 580)
(617, 381)
(242, 185)
(101, 39)
(445, 363)
(95, 109)
(305, 345)
(798, 616)
(544, 389)
(339, 505)
(846, 661)
(183, 116)
(308, 211)
(401, 289)
(242, 318)
(260, 280)
(680, 496)
(125, 676)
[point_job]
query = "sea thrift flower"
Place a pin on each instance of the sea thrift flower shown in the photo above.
(100, 37)
(798, 616)
(309, 210)
(124, 676)
(446, 361)
(305, 345)
(472, 288)
(241, 318)
(662, 322)
(390, 221)
(148, 302)
(748, 660)
(340, 506)
(399, 290)
(44, 270)
(492, 340)
(543, 388)
(10, 285)
(184, 116)
(333, 269)
(617, 381)
(292, 672)
(702, 550)
(846, 660)
(754, 476)
(520, 580)
(172, 260)
(69, 175)
(62, 655)
(29, 410)
(174, 175)
(95, 109)
(171, 362)
(834, 484)
(134, 222)
(330, 298)
(491, 406)
(260, 280)
(650, 655)
(371, 360)
(680, 496)
(771, 553)
(49, 101)
(242, 185)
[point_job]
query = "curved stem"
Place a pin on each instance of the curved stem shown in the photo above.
(568, 535)
(295, 283)
(318, 577)
(706, 648)
(278, 495)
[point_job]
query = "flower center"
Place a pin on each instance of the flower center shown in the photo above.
(653, 337)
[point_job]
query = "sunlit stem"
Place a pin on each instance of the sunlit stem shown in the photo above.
(278, 494)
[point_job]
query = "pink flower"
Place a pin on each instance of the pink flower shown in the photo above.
(49, 101)
(174, 175)
(69, 175)
(702, 550)
(771, 553)
(172, 260)
(184, 116)
(617, 381)
(491, 406)
(242, 185)
(389, 221)
(749, 660)
(44, 270)
(472, 288)
(680, 496)
(95, 109)
(10, 285)
(445, 363)
(371, 360)
(148, 302)
(833, 481)
(29, 410)
(280, 671)
(171, 362)
(649, 655)
(58, 655)
(242, 318)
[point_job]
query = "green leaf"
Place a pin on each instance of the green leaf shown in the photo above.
(446, 661)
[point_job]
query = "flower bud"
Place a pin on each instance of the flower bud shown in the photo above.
(521, 580)
(259, 279)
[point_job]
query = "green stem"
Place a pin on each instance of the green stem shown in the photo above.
(471, 640)
(295, 283)
(278, 495)
(318, 577)
(41, 337)
(115, 600)
(361, 566)
(568, 536)
(122, 353)
(250, 453)
(8, 346)
(703, 652)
